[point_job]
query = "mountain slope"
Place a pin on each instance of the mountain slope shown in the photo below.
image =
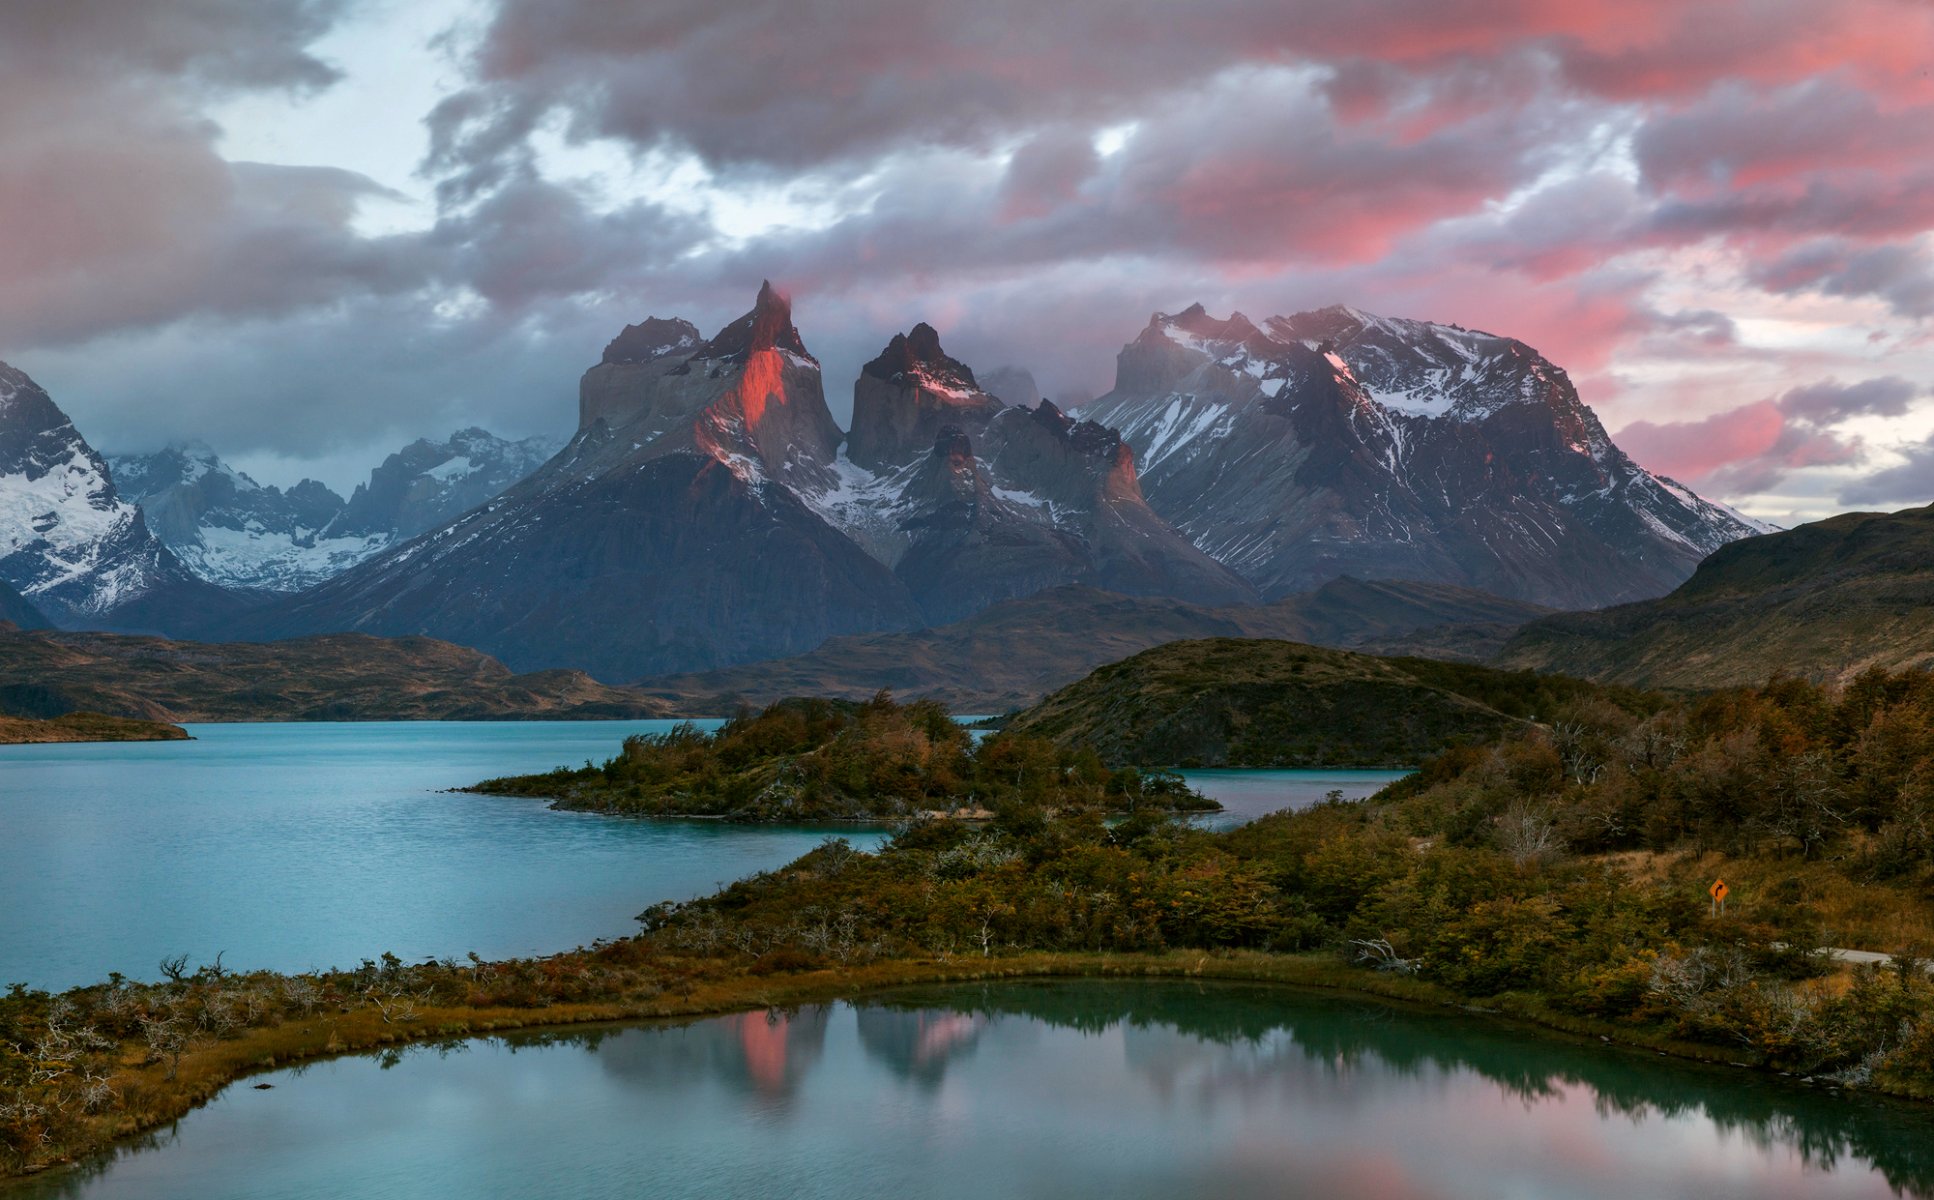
(973, 501)
(1248, 703)
(344, 677)
(18, 611)
(1018, 651)
(666, 536)
(1824, 601)
(69, 543)
(1335, 442)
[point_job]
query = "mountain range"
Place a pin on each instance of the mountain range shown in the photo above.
(233, 531)
(709, 512)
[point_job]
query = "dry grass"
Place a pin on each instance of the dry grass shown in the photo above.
(1852, 915)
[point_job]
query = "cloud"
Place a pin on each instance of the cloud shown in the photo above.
(1900, 275)
(119, 212)
(1831, 402)
(1910, 483)
(1645, 190)
(1753, 447)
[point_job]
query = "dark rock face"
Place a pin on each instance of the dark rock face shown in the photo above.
(968, 549)
(665, 537)
(1336, 442)
(906, 396)
(17, 611)
(972, 501)
(69, 543)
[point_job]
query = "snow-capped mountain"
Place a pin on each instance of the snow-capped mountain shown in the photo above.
(426, 483)
(973, 501)
(1335, 442)
(667, 535)
(79, 552)
(233, 531)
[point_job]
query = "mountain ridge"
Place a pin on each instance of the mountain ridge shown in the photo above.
(1335, 442)
(1824, 601)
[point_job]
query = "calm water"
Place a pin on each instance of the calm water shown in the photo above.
(1246, 795)
(1053, 1090)
(292, 846)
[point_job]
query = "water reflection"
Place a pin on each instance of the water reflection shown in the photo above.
(1044, 1089)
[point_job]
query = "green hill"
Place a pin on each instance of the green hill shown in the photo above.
(1247, 703)
(1823, 601)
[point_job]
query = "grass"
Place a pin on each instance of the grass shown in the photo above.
(1852, 915)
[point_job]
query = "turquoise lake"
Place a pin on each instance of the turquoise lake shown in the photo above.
(292, 846)
(1061, 1091)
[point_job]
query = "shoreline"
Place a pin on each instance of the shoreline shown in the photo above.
(205, 1073)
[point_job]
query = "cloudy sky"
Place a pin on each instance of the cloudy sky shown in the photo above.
(308, 230)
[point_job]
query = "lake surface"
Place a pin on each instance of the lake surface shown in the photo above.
(1246, 795)
(291, 846)
(1052, 1090)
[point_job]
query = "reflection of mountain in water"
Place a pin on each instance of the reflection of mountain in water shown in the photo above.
(1215, 1042)
(766, 1054)
(919, 1044)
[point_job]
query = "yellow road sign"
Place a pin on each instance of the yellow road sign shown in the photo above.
(1718, 891)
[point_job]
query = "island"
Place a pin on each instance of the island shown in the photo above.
(805, 759)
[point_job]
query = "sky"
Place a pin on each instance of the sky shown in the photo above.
(307, 231)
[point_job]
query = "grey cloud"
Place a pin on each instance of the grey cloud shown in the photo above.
(221, 44)
(1831, 402)
(1902, 275)
(1910, 483)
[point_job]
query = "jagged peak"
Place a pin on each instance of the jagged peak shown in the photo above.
(916, 355)
(1087, 437)
(1196, 326)
(767, 327)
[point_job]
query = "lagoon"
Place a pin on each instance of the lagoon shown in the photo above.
(1065, 1089)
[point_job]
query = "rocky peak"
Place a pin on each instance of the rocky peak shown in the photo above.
(652, 339)
(908, 395)
(1175, 346)
(767, 327)
(916, 355)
